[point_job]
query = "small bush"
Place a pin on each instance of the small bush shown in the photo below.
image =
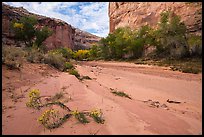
(195, 45)
(56, 60)
(122, 94)
(81, 54)
(68, 65)
(66, 52)
(35, 56)
(74, 72)
(13, 57)
(50, 119)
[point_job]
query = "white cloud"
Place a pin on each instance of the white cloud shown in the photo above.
(91, 17)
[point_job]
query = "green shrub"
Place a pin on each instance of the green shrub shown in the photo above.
(66, 52)
(122, 94)
(42, 35)
(74, 72)
(56, 60)
(68, 65)
(195, 45)
(13, 57)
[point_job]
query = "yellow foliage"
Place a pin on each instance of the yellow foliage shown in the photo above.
(82, 54)
(18, 25)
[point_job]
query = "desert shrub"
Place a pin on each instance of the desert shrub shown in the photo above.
(56, 60)
(68, 65)
(66, 52)
(35, 56)
(13, 57)
(122, 94)
(74, 72)
(195, 45)
(81, 54)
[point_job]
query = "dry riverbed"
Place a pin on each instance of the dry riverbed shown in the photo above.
(147, 112)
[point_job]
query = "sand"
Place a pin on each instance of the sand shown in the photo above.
(122, 115)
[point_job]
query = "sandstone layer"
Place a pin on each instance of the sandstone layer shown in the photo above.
(137, 14)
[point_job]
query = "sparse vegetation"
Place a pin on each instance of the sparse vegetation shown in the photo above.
(51, 118)
(67, 66)
(85, 77)
(35, 56)
(122, 94)
(79, 116)
(187, 65)
(97, 116)
(67, 53)
(56, 60)
(74, 72)
(13, 57)
(57, 96)
(34, 99)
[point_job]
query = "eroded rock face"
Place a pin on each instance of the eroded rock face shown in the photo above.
(137, 14)
(63, 33)
(84, 40)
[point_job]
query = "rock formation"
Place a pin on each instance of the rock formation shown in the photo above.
(136, 14)
(63, 33)
(84, 40)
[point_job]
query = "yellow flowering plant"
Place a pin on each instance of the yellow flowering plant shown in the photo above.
(49, 117)
(34, 99)
(97, 116)
(80, 116)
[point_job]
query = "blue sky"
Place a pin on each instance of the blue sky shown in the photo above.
(88, 16)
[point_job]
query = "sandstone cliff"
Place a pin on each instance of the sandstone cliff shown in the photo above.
(64, 35)
(84, 40)
(136, 14)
